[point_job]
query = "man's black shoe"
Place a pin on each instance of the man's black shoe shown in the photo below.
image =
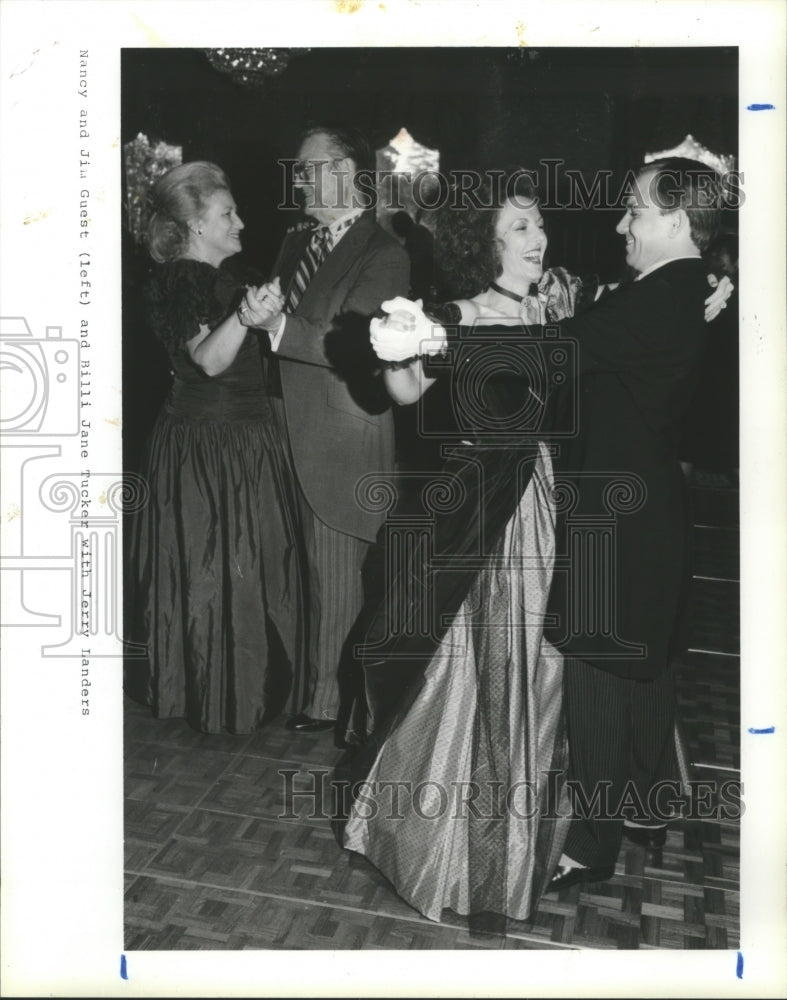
(306, 724)
(566, 876)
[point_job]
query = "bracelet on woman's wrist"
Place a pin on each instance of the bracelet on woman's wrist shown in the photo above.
(240, 312)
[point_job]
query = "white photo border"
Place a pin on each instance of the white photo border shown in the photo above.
(62, 828)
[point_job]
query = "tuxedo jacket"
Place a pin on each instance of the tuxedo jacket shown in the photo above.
(622, 538)
(338, 414)
(622, 526)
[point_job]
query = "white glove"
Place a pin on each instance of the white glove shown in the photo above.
(405, 332)
(717, 300)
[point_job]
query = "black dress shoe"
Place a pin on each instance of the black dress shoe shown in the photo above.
(306, 724)
(566, 876)
(651, 837)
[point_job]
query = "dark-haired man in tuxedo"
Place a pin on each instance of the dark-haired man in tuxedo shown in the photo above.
(641, 353)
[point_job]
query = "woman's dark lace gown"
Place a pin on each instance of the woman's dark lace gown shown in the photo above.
(215, 563)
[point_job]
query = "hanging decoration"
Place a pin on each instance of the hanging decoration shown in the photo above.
(251, 67)
(408, 178)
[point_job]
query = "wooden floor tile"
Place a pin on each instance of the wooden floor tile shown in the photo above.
(167, 774)
(141, 726)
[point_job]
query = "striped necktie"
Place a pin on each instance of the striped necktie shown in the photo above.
(317, 249)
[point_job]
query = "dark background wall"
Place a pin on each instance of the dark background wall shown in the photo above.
(593, 108)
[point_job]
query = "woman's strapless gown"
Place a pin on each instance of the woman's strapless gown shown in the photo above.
(462, 803)
(215, 554)
(479, 819)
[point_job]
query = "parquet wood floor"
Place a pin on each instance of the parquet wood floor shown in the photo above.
(215, 860)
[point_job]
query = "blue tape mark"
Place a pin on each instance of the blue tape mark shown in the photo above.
(123, 969)
(760, 107)
(739, 966)
(757, 732)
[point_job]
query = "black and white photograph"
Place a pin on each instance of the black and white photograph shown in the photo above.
(393, 434)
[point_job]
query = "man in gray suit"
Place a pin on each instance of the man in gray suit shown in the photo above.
(330, 278)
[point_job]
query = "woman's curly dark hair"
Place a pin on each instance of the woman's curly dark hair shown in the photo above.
(467, 249)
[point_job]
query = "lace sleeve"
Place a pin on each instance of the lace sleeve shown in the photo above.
(186, 295)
